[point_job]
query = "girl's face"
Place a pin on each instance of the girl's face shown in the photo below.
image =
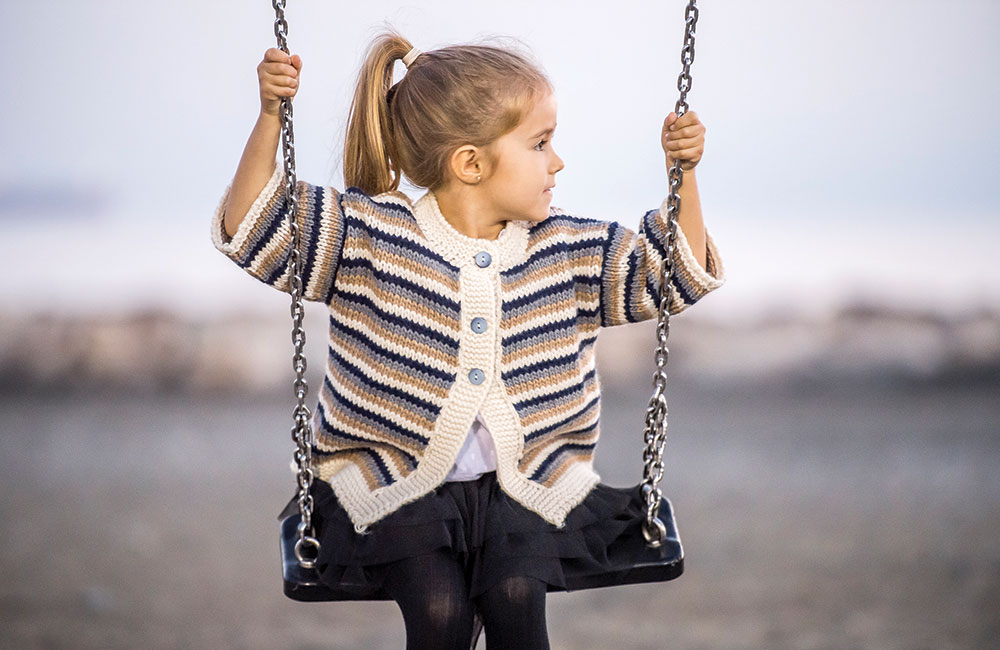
(521, 182)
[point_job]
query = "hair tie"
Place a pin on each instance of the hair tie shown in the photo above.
(410, 56)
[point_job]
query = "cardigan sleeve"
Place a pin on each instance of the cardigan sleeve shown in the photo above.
(632, 270)
(262, 242)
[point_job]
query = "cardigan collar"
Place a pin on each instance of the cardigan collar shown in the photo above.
(458, 248)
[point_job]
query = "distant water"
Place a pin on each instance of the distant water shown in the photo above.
(838, 516)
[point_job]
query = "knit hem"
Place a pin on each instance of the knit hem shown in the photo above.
(697, 280)
(551, 503)
(232, 247)
(366, 507)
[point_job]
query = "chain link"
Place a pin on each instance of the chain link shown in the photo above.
(655, 435)
(301, 431)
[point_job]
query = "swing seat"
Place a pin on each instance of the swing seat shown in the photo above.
(631, 560)
(304, 584)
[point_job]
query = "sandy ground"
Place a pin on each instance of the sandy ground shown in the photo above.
(833, 517)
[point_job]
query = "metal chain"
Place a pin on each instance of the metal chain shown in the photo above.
(301, 430)
(655, 436)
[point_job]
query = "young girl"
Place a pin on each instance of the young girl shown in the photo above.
(456, 425)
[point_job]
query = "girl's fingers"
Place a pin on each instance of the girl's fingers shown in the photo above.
(274, 54)
(272, 89)
(283, 82)
(278, 76)
(278, 91)
(684, 120)
(686, 155)
(277, 62)
(679, 145)
(280, 84)
(691, 153)
(278, 88)
(279, 69)
(687, 132)
(687, 121)
(683, 138)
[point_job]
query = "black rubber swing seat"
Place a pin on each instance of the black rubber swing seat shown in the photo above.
(631, 561)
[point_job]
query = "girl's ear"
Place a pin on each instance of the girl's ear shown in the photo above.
(466, 164)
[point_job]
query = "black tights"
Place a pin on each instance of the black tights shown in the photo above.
(432, 595)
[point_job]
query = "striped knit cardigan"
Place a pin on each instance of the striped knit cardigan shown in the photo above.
(429, 327)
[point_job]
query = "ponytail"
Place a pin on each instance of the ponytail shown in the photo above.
(369, 159)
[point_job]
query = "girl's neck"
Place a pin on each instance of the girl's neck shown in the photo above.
(463, 208)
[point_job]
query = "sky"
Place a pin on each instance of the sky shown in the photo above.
(851, 147)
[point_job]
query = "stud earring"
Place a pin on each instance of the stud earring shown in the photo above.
(479, 178)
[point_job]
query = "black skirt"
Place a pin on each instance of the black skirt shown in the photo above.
(492, 535)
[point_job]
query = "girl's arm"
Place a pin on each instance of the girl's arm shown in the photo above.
(278, 74)
(690, 220)
(632, 261)
(684, 139)
(256, 166)
(250, 224)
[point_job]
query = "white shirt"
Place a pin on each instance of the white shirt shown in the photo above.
(478, 454)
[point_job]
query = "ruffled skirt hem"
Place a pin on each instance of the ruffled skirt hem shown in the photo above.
(492, 534)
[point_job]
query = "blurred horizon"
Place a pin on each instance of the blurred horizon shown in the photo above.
(247, 352)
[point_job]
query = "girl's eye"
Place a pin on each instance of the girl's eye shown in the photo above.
(540, 143)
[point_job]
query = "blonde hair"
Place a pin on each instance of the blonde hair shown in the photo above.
(449, 97)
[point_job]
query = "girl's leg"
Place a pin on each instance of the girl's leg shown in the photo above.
(513, 614)
(431, 593)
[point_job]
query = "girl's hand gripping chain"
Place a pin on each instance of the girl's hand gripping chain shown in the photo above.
(683, 139)
(279, 77)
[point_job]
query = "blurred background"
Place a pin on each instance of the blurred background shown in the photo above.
(834, 447)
